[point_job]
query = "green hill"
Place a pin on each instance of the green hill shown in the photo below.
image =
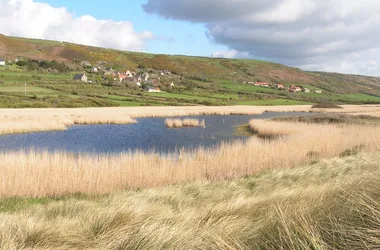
(199, 80)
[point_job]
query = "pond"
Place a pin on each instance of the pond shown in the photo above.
(146, 135)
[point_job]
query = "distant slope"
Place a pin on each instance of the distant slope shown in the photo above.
(219, 70)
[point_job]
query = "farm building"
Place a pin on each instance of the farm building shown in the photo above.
(80, 77)
(318, 91)
(2, 62)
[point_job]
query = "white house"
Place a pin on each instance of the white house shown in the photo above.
(2, 62)
(146, 77)
(306, 90)
(154, 90)
(130, 73)
(318, 91)
(80, 77)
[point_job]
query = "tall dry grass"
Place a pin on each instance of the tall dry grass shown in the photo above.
(271, 128)
(330, 205)
(178, 123)
(29, 120)
(52, 174)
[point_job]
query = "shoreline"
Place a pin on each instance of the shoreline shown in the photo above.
(14, 121)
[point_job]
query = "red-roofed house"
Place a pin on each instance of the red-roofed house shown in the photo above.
(295, 89)
(122, 77)
(280, 86)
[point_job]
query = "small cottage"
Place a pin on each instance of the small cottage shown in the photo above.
(154, 89)
(306, 90)
(2, 62)
(80, 77)
(280, 86)
(318, 91)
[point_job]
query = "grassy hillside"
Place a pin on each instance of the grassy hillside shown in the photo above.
(200, 80)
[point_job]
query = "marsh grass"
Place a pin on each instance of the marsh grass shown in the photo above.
(331, 118)
(330, 205)
(32, 120)
(44, 174)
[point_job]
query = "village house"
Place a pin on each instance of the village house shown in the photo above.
(294, 89)
(280, 86)
(262, 84)
(122, 77)
(18, 59)
(2, 62)
(110, 73)
(80, 77)
(153, 89)
(95, 69)
(306, 90)
(146, 77)
(318, 91)
(169, 84)
(129, 73)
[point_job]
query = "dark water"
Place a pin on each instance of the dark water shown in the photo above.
(148, 134)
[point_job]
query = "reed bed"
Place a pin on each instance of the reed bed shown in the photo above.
(104, 119)
(330, 205)
(268, 128)
(41, 174)
(30, 120)
(178, 123)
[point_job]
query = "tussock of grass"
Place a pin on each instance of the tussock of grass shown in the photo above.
(331, 205)
(178, 123)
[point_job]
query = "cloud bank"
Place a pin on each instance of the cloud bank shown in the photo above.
(26, 18)
(332, 35)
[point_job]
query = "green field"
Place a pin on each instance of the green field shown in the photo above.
(21, 89)
(272, 102)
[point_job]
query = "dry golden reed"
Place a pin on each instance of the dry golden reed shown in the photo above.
(53, 174)
(30, 120)
(178, 123)
(330, 205)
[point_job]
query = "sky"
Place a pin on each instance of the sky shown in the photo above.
(322, 35)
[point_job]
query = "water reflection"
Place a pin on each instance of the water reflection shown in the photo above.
(147, 135)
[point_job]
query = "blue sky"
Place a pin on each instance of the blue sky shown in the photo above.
(171, 37)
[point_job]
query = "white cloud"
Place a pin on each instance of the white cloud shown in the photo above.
(333, 35)
(26, 18)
